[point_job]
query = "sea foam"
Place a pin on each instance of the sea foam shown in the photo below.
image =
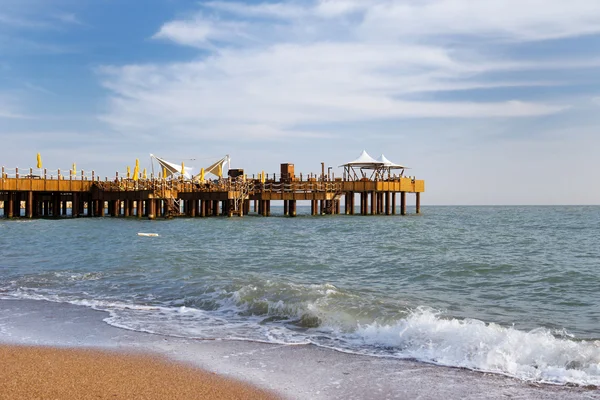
(537, 355)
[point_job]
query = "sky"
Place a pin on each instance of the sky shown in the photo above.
(488, 101)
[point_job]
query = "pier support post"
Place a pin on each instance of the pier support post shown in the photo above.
(362, 203)
(268, 208)
(56, 205)
(402, 203)
(151, 208)
(292, 208)
(9, 206)
(74, 205)
(373, 203)
(98, 208)
(285, 208)
(387, 203)
(203, 208)
(393, 203)
(194, 208)
(64, 207)
(229, 204)
(126, 207)
(29, 205)
(418, 202)
(139, 208)
(347, 204)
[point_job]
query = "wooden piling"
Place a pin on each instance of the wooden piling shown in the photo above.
(29, 205)
(402, 203)
(373, 203)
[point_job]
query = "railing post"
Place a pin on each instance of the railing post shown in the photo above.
(17, 172)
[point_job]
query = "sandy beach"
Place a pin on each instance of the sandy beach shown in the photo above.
(64, 373)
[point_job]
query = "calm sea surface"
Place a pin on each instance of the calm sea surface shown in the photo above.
(513, 290)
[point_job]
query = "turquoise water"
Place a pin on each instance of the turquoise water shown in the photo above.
(512, 290)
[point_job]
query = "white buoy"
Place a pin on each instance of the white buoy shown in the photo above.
(147, 234)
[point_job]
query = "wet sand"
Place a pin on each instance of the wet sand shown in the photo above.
(59, 373)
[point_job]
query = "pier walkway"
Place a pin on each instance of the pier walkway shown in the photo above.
(32, 196)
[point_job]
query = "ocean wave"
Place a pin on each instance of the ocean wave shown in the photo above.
(330, 317)
(537, 355)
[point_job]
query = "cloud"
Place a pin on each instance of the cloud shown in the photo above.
(273, 69)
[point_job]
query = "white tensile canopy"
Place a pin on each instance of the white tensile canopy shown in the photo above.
(172, 168)
(216, 168)
(363, 161)
(390, 165)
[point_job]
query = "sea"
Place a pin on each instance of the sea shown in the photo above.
(507, 290)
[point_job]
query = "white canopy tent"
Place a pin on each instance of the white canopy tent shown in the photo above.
(171, 168)
(362, 163)
(216, 168)
(388, 166)
(367, 163)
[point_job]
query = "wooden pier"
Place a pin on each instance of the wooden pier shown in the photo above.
(31, 196)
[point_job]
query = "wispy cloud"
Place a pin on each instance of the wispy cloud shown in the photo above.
(282, 66)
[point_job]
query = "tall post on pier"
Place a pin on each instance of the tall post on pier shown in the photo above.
(393, 203)
(402, 203)
(387, 203)
(151, 206)
(203, 208)
(9, 206)
(75, 205)
(29, 205)
(373, 203)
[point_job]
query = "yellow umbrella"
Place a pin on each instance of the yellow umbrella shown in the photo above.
(74, 169)
(144, 174)
(202, 175)
(164, 173)
(136, 170)
(220, 171)
(182, 168)
(262, 177)
(39, 161)
(128, 172)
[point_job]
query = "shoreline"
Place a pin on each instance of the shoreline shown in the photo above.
(290, 371)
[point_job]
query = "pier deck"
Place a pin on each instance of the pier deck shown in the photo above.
(32, 196)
